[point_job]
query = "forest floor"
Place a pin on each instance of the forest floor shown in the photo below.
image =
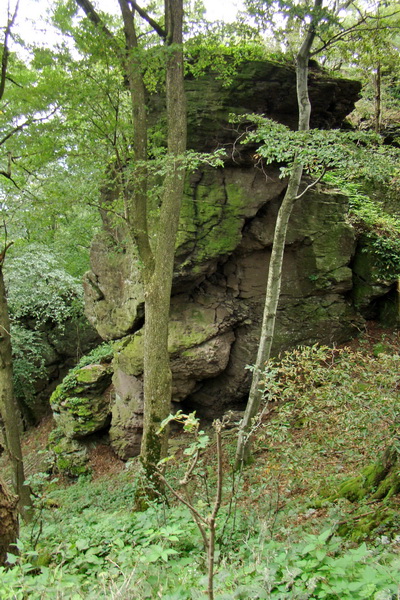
(281, 532)
(103, 462)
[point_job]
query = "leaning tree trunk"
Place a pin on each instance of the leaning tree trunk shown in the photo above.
(278, 248)
(8, 521)
(9, 410)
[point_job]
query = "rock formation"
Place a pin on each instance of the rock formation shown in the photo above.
(222, 257)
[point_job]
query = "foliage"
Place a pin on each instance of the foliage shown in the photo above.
(39, 289)
(380, 228)
(330, 411)
(40, 293)
(29, 364)
(207, 524)
(309, 383)
(358, 153)
(223, 60)
(97, 553)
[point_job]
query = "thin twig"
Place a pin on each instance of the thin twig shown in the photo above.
(311, 185)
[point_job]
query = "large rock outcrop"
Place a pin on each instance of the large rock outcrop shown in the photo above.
(222, 257)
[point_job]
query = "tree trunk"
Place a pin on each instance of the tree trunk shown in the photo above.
(377, 98)
(157, 373)
(278, 248)
(8, 521)
(157, 258)
(9, 410)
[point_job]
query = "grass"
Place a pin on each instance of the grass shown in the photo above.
(329, 414)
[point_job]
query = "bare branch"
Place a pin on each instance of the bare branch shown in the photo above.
(182, 499)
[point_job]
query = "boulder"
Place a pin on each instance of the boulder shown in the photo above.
(81, 404)
(222, 255)
(69, 456)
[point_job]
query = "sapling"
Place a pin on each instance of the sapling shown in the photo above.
(207, 525)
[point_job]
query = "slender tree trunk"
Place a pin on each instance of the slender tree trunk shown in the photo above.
(8, 521)
(157, 373)
(278, 247)
(377, 98)
(157, 258)
(9, 410)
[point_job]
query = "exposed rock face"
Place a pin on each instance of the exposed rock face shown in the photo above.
(374, 296)
(223, 251)
(217, 306)
(262, 87)
(113, 288)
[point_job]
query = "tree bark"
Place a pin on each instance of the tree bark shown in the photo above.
(8, 521)
(9, 410)
(377, 98)
(278, 247)
(157, 373)
(157, 258)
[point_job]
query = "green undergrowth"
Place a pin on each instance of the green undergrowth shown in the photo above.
(381, 230)
(281, 533)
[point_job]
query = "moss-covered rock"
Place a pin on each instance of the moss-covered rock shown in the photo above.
(379, 480)
(264, 87)
(381, 520)
(82, 403)
(69, 456)
(224, 244)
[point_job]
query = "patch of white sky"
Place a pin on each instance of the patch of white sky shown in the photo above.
(222, 10)
(32, 15)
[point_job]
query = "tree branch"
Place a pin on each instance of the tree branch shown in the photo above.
(157, 28)
(14, 82)
(311, 185)
(6, 52)
(25, 124)
(2, 257)
(8, 176)
(353, 28)
(93, 16)
(181, 498)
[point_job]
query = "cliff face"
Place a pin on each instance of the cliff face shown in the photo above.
(267, 88)
(223, 251)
